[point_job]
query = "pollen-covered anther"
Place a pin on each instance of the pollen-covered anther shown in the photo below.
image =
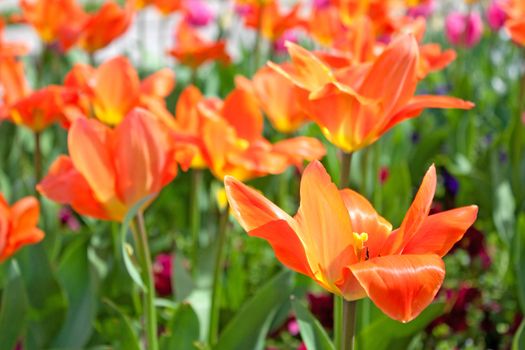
(359, 243)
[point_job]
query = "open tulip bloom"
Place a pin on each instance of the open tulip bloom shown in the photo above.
(340, 241)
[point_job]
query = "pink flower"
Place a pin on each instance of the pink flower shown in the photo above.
(198, 13)
(495, 15)
(278, 45)
(293, 327)
(319, 4)
(423, 10)
(162, 268)
(464, 29)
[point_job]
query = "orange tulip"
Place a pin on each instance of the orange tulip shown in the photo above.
(515, 24)
(277, 97)
(41, 108)
(112, 90)
(56, 21)
(110, 170)
(18, 225)
(104, 26)
(340, 241)
(226, 137)
(191, 50)
(271, 22)
(355, 105)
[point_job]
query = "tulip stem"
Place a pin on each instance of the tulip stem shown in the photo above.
(217, 274)
(344, 181)
(38, 158)
(144, 255)
(195, 214)
(349, 323)
(258, 39)
(346, 165)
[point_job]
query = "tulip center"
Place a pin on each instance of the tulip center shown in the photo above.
(359, 245)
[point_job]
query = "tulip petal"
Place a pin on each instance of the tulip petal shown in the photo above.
(516, 29)
(24, 214)
(365, 219)
(401, 285)
(418, 103)
(392, 77)
(415, 216)
(439, 232)
(261, 218)
(308, 71)
(325, 226)
(116, 90)
(65, 185)
(141, 156)
(241, 110)
(90, 151)
(159, 84)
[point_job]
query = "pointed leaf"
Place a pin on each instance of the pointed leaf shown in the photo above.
(312, 332)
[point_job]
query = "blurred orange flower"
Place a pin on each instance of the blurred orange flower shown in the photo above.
(109, 170)
(41, 108)
(269, 19)
(193, 51)
(112, 90)
(57, 21)
(226, 137)
(18, 225)
(340, 241)
(105, 25)
(357, 104)
(278, 98)
(515, 24)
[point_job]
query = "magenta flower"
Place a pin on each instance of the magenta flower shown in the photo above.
(162, 268)
(198, 13)
(279, 44)
(423, 10)
(496, 16)
(464, 29)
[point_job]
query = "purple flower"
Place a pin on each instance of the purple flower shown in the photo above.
(162, 269)
(464, 29)
(460, 300)
(451, 183)
(293, 327)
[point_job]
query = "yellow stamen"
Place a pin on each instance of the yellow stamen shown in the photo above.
(359, 243)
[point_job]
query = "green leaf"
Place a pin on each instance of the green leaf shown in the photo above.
(393, 334)
(125, 336)
(182, 282)
(130, 215)
(78, 280)
(312, 332)
(518, 342)
(504, 209)
(47, 300)
(13, 313)
(183, 329)
(519, 260)
(249, 327)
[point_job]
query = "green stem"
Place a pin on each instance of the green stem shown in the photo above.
(195, 214)
(141, 240)
(91, 59)
(217, 274)
(258, 40)
(344, 181)
(346, 164)
(38, 157)
(349, 323)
